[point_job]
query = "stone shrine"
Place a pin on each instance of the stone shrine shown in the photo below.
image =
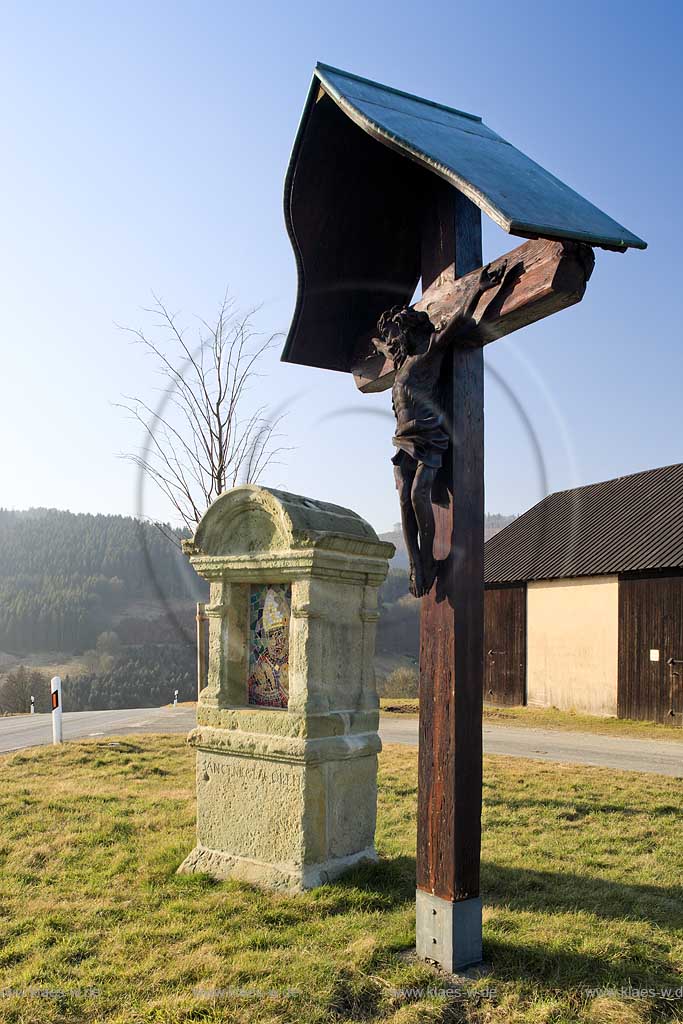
(286, 734)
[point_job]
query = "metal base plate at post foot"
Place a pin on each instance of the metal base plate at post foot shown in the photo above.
(448, 933)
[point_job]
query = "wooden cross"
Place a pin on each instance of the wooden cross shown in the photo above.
(550, 275)
(375, 195)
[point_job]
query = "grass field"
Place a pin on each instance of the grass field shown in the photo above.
(552, 718)
(582, 873)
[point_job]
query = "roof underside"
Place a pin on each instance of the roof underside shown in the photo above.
(631, 524)
(352, 206)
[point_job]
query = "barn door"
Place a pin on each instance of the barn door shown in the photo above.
(505, 645)
(651, 649)
(676, 689)
(674, 640)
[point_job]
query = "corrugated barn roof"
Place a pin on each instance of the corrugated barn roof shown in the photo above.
(630, 524)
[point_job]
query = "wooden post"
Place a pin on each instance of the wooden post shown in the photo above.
(451, 633)
(201, 648)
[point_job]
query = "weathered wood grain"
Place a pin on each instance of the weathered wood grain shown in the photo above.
(451, 628)
(547, 276)
(651, 617)
(505, 645)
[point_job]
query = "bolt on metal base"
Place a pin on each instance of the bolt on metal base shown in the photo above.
(448, 933)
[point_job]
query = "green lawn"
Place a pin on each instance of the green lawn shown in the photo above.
(582, 872)
(552, 718)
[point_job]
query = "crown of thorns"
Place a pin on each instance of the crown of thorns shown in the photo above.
(405, 317)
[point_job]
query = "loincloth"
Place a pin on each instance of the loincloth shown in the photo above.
(424, 442)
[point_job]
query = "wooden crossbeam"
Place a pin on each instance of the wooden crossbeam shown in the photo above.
(547, 276)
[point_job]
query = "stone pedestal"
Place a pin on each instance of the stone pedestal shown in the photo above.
(286, 733)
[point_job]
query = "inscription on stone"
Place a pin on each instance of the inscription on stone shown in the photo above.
(252, 772)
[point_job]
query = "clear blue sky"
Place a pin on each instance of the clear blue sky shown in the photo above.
(144, 147)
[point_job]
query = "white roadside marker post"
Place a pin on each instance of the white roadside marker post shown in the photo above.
(56, 694)
(175, 698)
(33, 705)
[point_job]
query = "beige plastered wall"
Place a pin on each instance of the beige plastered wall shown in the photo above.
(572, 644)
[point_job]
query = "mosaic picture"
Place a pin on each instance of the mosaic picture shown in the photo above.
(269, 612)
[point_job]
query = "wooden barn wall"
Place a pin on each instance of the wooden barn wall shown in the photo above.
(505, 645)
(651, 619)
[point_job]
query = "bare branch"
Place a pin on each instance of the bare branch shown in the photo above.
(200, 438)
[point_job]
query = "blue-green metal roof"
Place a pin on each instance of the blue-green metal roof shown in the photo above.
(360, 181)
(516, 192)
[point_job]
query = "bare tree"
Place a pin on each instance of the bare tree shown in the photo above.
(199, 439)
(17, 688)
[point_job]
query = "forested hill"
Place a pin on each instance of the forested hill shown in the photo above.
(64, 575)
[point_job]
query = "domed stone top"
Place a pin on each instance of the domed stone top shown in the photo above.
(252, 520)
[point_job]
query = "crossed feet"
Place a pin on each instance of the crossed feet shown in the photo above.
(422, 577)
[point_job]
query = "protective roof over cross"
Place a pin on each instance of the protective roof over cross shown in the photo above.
(363, 159)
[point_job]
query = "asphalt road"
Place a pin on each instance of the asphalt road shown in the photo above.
(662, 757)
(21, 731)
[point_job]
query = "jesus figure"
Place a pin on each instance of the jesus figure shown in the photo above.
(408, 337)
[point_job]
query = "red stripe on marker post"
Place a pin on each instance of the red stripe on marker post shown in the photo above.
(56, 697)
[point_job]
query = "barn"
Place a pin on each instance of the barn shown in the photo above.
(584, 601)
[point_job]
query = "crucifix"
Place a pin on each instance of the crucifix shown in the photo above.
(385, 189)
